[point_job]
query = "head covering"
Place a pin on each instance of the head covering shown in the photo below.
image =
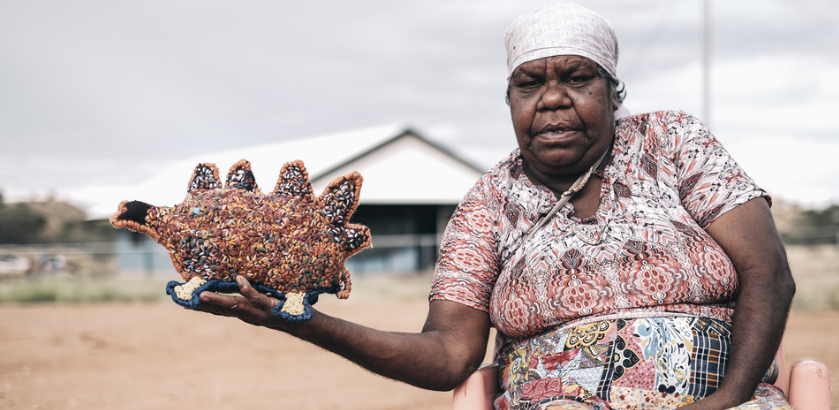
(561, 29)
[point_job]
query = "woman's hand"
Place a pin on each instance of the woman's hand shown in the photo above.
(450, 347)
(252, 307)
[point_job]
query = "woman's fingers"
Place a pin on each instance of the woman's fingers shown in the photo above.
(255, 297)
(252, 307)
(206, 307)
(225, 305)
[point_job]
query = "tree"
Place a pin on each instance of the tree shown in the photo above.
(814, 226)
(822, 218)
(19, 224)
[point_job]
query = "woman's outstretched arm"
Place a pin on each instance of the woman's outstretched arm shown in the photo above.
(449, 348)
(747, 234)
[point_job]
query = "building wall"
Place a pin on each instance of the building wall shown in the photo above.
(137, 254)
(405, 237)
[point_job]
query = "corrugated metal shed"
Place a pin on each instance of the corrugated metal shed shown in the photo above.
(399, 166)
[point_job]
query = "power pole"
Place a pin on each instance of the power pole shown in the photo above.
(706, 63)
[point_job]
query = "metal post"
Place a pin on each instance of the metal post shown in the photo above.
(836, 244)
(149, 262)
(706, 63)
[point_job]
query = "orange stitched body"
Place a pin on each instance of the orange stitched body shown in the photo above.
(288, 240)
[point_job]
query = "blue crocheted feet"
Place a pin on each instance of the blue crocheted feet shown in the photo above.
(186, 294)
(293, 306)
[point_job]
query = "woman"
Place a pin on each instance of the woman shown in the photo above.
(608, 253)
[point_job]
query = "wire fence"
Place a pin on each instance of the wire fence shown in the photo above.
(812, 236)
(390, 253)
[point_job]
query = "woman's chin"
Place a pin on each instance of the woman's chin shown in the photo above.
(555, 156)
(559, 165)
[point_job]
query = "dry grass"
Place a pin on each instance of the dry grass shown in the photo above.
(79, 354)
(68, 289)
(816, 273)
(122, 289)
(815, 268)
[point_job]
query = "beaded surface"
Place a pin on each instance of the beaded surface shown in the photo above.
(284, 242)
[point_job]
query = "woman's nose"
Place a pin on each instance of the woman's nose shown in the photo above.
(555, 97)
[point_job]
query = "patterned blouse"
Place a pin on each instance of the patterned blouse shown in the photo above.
(666, 180)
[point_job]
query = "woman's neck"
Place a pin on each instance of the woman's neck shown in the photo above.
(556, 183)
(561, 183)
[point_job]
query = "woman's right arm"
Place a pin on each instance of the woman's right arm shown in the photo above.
(449, 348)
(453, 341)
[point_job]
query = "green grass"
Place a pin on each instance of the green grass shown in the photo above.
(77, 290)
(131, 289)
(398, 287)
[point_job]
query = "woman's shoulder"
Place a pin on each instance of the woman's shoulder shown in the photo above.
(508, 162)
(498, 179)
(509, 167)
(669, 129)
(664, 117)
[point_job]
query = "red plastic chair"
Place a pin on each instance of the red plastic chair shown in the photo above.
(807, 385)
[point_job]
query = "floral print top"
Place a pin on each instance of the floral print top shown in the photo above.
(666, 180)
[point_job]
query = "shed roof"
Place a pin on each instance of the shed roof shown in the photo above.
(399, 166)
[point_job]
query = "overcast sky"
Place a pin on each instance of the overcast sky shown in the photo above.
(108, 92)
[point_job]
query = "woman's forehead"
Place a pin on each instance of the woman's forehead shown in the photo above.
(565, 62)
(561, 29)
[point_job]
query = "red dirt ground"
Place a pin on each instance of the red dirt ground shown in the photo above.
(121, 356)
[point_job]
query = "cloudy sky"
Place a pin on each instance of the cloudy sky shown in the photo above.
(96, 93)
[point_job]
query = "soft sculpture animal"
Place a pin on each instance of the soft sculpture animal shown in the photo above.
(287, 243)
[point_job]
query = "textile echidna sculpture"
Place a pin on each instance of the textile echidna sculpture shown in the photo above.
(287, 243)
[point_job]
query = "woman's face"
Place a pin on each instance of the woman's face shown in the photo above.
(563, 114)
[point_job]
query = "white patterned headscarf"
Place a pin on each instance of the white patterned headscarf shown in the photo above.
(561, 29)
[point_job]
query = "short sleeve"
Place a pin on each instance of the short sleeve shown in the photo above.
(467, 263)
(711, 183)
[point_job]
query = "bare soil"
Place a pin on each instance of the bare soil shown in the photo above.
(160, 356)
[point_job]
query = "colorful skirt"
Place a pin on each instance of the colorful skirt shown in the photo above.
(643, 363)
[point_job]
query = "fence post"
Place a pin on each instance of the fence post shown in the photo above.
(149, 263)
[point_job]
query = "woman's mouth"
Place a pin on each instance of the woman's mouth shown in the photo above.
(556, 135)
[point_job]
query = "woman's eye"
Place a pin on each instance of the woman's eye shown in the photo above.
(529, 85)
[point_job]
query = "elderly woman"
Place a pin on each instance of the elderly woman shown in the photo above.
(608, 252)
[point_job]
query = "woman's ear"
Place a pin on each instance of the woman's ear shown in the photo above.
(616, 102)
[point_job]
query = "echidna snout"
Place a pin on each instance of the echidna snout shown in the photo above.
(135, 211)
